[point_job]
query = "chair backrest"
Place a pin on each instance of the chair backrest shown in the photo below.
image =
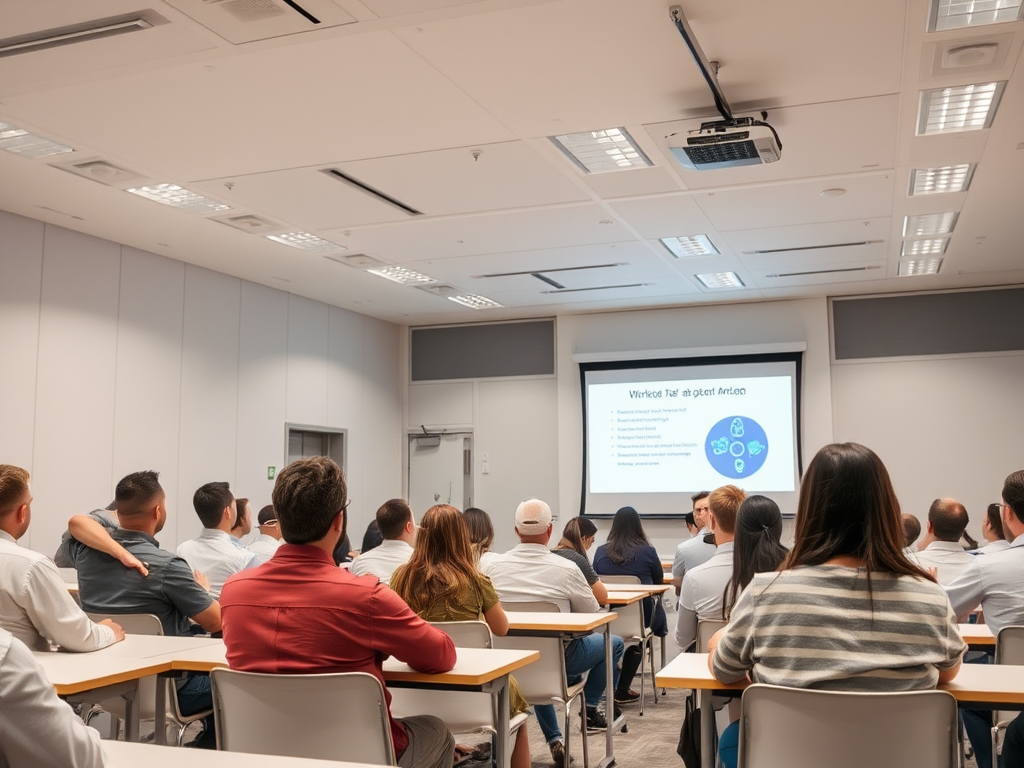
(544, 679)
(629, 622)
(137, 624)
(705, 629)
(606, 579)
(341, 716)
(133, 623)
(1010, 646)
(532, 606)
(799, 728)
(466, 634)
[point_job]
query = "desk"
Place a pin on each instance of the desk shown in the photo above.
(624, 598)
(643, 589)
(976, 685)
(573, 624)
(978, 636)
(122, 754)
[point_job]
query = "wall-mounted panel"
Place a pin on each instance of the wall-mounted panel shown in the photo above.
(483, 351)
(308, 350)
(450, 403)
(345, 374)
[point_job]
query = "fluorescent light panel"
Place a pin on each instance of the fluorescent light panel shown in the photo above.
(958, 108)
(935, 181)
(402, 275)
(20, 142)
(180, 198)
(611, 149)
(956, 14)
(689, 246)
(924, 247)
(720, 280)
(929, 224)
(305, 241)
(474, 301)
(920, 267)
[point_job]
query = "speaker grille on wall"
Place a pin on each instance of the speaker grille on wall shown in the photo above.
(483, 351)
(955, 323)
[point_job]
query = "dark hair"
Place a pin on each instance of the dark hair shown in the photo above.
(392, 517)
(848, 507)
(481, 531)
(969, 541)
(626, 536)
(209, 502)
(137, 493)
(698, 496)
(1013, 493)
(689, 519)
(308, 495)
(371, 538)
(995, 520)
(573, 534)
(724, 503)
(240, 518)
(758, 546)
(13, 488)
(948, 518)
(911, 528)
(266, 515)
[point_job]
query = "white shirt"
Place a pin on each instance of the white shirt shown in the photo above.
(218, 555)
(992, 547)
(948, 557)
(35, 604)
(994, 581)
(700, 596)
(383, 560)
(264, 547)
(38, 730)
(691, 553)
(532, 572)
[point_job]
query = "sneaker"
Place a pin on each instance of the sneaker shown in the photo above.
(558, 753)
(627, 697)
(595, 720)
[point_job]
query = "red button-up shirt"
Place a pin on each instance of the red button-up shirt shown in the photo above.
(299, 613)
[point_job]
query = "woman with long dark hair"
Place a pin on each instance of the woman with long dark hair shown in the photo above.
(992, 531)
(481, 533)
(757, 546)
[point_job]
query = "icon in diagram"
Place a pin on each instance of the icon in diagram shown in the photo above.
(736, 447)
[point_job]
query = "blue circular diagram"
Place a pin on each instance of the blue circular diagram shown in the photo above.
(736, 447)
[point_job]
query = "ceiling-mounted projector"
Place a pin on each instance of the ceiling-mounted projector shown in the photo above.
(726, 144)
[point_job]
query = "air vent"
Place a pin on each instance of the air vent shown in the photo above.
(95, 29)
(100, 171)
(244, 21)
(440, 289)
(535, 272)
(598, 288)
(357, 261)
(249, 222)
(826, 246)
(823, 271)
(343, 177)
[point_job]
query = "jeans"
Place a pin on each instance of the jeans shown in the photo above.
(195, 695)
(585, 654)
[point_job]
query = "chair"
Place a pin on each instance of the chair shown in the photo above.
(1009, 650)
(339, 716)
(147, 624)
(531, 606)
(797, 728)
(630, 626)
(705, 629)
(608, 579)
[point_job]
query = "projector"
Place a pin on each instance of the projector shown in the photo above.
(727, 144)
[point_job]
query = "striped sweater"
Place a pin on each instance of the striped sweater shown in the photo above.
(817, 627)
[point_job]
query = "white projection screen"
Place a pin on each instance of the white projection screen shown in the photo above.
(657, 431)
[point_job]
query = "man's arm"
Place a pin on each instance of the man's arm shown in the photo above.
(678, 569)
(56, 616)
(967, 590)
(87, 531)
(686, 619)
(581, 596)
(189, 592)
(600, 592)
(210, 618)
(397, 631)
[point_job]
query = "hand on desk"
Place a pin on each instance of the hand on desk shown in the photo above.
(118, 632)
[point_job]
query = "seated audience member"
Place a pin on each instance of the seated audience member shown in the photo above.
(911, 533)
(481, 534)
(441, 582)
(577, 537)
(628, 552)
(243, 522)
(940, 548)
(214, 551)
(691, 524)
(34, 602)
(847, 555)
(343, 553)
(531, 572)
(696, 550)
(703, 592)
(994, 581)
(265, 545)
(757, 546)
(171, 591)
(398, 529)
(992, 531)
(371, 537)
(38, 730)
(300, 614)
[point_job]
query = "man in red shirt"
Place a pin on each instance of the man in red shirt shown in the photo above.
(300, 613)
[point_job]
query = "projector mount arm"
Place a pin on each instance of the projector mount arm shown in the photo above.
(706, 68)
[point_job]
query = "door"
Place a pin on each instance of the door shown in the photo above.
(440, 471)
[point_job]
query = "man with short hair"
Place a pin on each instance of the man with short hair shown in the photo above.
(398, 529)
(911, 531)
(940, 548)
(34, 602)
(265, 545)
(213, 551)
(703, 588)
(532, 572)
(299, 613)
(694, 551)
(243, 522)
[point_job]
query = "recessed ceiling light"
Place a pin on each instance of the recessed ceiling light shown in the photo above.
(402, 275)
(924, 247)
(958, 108)
(955, 14)
(720, 280)
(474, 302)
(611, 149)
(833, 192)
(929, 224)
(20, 142)
(305, 241)
(935, 181)
(689, 246)
(920, 267)
(180, 198)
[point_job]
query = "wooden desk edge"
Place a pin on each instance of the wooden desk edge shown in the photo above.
(68, 689)
(392, 676)
(597, 620)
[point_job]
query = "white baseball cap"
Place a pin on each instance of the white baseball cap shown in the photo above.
(533, 517)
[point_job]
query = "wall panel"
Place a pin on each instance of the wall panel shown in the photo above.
(308, 351)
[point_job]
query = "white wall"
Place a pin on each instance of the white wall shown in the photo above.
(119, 360)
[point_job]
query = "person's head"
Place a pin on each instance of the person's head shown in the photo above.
(758, 545)
(691, 523)
(947, 520)
(310, 497)
(15, 500)
(578, 535)
(911, 528)
(267, 520)
(443, 537)
(394, 520)
(215, 506)
(481, 530)
(700, 508)
(243, 521)
(1013, 499)
(848, 507)
(723, 504)
(992, 523)
(533, 522)
(140, 502)
(625, 536)
(371, 537)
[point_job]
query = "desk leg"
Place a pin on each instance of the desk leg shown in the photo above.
(160, 716)
(609, 701)
(131, 714)
(502, 739)
(707, 730)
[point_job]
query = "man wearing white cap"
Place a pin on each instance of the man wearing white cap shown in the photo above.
(532, 572)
